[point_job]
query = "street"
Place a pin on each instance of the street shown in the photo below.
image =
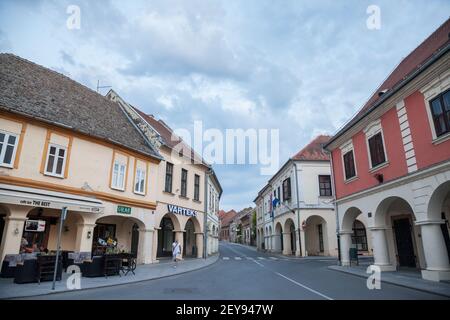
(244, 273)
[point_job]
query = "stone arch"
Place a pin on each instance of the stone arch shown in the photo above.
(388, 204)
(174, 218)
(439, 202)
(278, 240)
(316, 236)
(349, 217)
(289, 240)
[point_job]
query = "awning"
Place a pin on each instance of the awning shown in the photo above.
(34, 197)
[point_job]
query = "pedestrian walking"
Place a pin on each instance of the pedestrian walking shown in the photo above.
(176, 252)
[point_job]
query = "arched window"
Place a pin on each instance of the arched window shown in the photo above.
(359, 237)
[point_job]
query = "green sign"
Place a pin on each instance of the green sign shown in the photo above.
(123, 210)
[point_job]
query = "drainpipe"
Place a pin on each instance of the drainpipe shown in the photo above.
(205, 218)
(335, 206)
(298, 207)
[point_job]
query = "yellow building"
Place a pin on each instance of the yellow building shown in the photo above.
(64, 145)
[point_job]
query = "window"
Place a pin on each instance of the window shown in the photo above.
(139, 182)
(197, 187)
(325, 186)
(118, 177)
(287, 189)
(279, 193)
(349, 165)
(8, 146)
(169, 175)
(56, 160)
(359, 238)
(440, 111)
(376, 148)
(184, 174)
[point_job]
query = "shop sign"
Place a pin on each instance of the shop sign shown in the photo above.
(35, 225)
(123, 210)
(182, 211)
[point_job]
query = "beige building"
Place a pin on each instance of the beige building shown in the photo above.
(63, 145)
(180, 191)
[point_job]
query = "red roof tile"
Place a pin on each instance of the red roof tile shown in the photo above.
(314, 150)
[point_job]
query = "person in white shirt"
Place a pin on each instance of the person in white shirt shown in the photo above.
(176, 250)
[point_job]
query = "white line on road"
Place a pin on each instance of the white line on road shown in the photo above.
(261, 258)
(237, 258)
(258, 263)
(273, 258)
(226, 258)
(303, 286)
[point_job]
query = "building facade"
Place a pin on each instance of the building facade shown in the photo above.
(225, 221)
(391, 165)
(181, 202)
(214, 195)
(299, 199)
(59, 150)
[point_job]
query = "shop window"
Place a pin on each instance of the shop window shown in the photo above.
(184, 174)
(359, 237)
(8, 146)
(56, 160)
(197, 187)
(325, 185)
(139, 183)
(169, 176)
(118, 177)
(440, 111)
(103, 234)
(349, 165)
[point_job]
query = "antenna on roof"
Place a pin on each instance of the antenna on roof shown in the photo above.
(101, 87)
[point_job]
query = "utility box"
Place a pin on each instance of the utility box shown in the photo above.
(353, 255)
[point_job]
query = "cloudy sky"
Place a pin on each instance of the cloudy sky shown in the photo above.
(303, 67)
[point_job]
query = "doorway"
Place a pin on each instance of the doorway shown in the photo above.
(135, 240)
(165, 238)
(404, 242)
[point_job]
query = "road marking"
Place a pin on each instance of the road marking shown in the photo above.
(237, 258)
(273, 258)
(250, 258)
(226, 258)
(258, 263)
(303, 286)
(261, 258)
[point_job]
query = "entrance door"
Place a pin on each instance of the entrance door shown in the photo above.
(281, 241)
(165, 238)
(445, 234)
(405, 246)
(135, 240)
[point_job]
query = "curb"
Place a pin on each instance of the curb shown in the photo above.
(395, 283)
(113, 285)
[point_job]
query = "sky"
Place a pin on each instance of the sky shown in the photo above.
(302, 67)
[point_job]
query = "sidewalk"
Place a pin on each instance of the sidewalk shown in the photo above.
(9, 289)
(408, 279)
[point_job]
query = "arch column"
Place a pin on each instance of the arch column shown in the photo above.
(303, 252)
(346, 243)
(199, 243)
(436, 257)
(287, 243)
(84, 237)
(380, 249)
(13, 230)
(145, 250)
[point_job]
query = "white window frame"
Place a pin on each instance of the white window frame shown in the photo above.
(114, 184)
(431, 91)
(345, 148)
(371, 130)
(55, 163)
(138, 178)
(5, 145)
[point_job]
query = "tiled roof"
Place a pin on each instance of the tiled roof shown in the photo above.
(314, 150)
(437, 41)
(227, 218)
(167, 134)
(32, 90)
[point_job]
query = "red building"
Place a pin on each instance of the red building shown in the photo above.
(225, 218)
(391, 164)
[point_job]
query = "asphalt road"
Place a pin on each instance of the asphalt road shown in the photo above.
(243, 273)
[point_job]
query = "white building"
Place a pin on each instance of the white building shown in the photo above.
(214, 194)
(303, 206)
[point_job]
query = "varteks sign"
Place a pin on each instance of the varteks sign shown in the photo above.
(180, 210)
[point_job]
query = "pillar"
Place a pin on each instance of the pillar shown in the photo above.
(13, 230)
(84, 237)
(145, 250)
(303, 243)
(199, 243)
(346, 243)
(298, 251)
(380, 249)
(435, 250)
(155, 245)
(287, 243)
